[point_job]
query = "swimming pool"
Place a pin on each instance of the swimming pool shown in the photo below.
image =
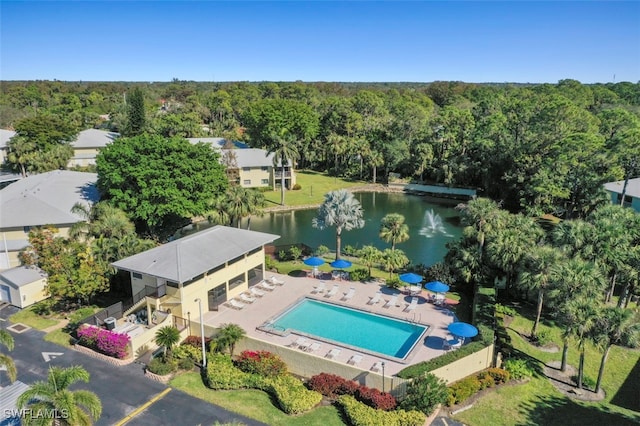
(370, 332)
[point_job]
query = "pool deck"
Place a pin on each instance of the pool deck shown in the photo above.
(275, 302)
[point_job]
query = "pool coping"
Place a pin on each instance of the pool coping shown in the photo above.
(265, 327)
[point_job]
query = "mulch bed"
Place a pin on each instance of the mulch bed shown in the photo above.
(565, 384)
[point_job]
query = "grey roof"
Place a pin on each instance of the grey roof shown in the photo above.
(253, 157)
(46, 199)
(186, 258)
(217, 142)
(21, 275)
(94, 138)
(5, 135)
(9, 401)
(633, 187)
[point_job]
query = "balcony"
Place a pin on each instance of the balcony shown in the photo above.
(278, 175)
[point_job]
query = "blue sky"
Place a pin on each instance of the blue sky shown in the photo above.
(417, 41)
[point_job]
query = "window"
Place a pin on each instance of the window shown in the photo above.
(136, 275)
(236, 281)
(246, 169)
(237, 259)
(27, 229)
(265, 168)
(247, 182)
(265, 181)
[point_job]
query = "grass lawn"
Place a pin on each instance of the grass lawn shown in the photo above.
(254, 404)
(30, 318)
(314, 186)
(59, 337)
(538, 402)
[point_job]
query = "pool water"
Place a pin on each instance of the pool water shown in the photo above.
(368, 331)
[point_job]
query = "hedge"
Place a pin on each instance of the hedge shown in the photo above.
(104, 341)
(463, 389)
(360, 414)
(332, 386)
(291, 395)
(262, 363)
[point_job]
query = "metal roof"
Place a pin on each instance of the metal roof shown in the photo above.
(21, 275)
(633, 187)
(217, 142)
(46, 199)
(94, 138)
(186, 258)
(9, 399)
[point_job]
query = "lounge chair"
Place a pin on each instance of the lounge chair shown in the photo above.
(313, 347)
(246, 298)
(319, 288)
(355, 359)
(275, 281)
(233, 303)
(375, 299)
(267, 286)
(376, 366)
(413, 305)
(348, 295)
(256, 292)
(391, 302)
(300, 342)
(333, 291)
(333, 353)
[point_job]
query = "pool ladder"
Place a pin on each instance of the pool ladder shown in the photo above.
(413, 319)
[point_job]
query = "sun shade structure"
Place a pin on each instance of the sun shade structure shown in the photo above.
(314, 261)
(462, 329)
(411, 278)
(437, 287)
(340, 264)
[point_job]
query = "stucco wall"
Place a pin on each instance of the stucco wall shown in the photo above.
(255, 175)
(466, 366)
(17, 235)
(30, 293)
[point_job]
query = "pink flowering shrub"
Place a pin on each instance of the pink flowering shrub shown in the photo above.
(104, 341)
(263, 363)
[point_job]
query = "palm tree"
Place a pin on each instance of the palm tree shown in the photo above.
(75, 408)
(6, 361)
(393, 229)
(229, 335)
(538, 275)
(341, 210)
(241, 202)
(167, 337)
(100, 219)
(285, 148)
(392, 260)
(613, 327)
(369, 256)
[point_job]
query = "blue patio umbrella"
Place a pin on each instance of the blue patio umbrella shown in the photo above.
(314, 261)
(411, 278)
(437, 287)
(340, 264)
(462, 329)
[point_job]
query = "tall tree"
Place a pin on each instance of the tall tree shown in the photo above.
(6, 361)
(393, 229)
(614, 326)
(341, 210)
(136, 114)
(73, 408)
(285, 149)
(369, 256)
(393, 259)
(160, 183)
(229, 335)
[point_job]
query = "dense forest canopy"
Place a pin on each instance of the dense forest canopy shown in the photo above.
(537, 148)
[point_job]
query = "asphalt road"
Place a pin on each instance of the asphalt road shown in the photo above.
(121, 389)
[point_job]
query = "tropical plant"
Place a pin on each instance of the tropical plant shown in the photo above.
(341, 210)
(425, 393)
(6, 361)
(284, 146)
(393, 230)
(392, 260)
(167, 337)
(74, 408)
(369, 256)
(228, 336)
(614, 326)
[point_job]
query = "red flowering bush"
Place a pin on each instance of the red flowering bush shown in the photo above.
(104, 341)
(375, 399)
(332, 386)
(263, 363)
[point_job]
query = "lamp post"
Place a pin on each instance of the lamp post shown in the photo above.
(204, 354)
(382, 376)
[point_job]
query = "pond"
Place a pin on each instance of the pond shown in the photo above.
(431, 226)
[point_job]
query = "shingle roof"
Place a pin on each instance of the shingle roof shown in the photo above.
(46, 198)
(21, 275)
(633, 187)
(186, 258)
(5, 135)
(94, 138)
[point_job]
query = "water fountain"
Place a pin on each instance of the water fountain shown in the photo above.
(432, 225)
